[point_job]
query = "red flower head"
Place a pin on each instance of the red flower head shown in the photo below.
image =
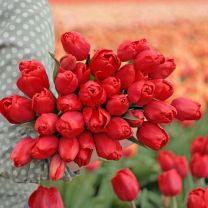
(181, 166)
(82, 73)
(104, 64)
(197, 146)
(125, 185)
(73, 43)
(137, 118)
(107, 148)
(68, 62)
(166, 160)
(152, 136)
(92, 94)
(17, 109)
(70, 124)
(93, 166)
(33, 77)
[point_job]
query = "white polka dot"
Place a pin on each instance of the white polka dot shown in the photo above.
(12, 38)
(9, 92)
(25, 26)
(6, 35)
(13, 17)
(8, 56)
(32, 34)
(8, 68)
(32, 46)
(29, 1)
(10, 7)
(3, 75)
(18, 20)
(9, 80)
(37, 29)
(19, 32)
(11, 27)
(31, 22)
(25, 14)
(38, 41)
(23, 5)
(14, 73)
(3, 87)
(25, 38)
(27, 50)
(17, 11)
(6, 14)
(14, 50)
(20, 55)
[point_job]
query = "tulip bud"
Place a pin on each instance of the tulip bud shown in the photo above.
(163, 70)
(93, 166)
(137, 118)
(181, 166)
(33, 77)
(129, 49)
(197, 146)
(68, 62)
(170, 183)
(66, 82)
(163, 89)
(152, 136)
(45, 146)
(159, 112)
(21, 154)
(68, 148)
(46, 124)
(118, 129)
(75, 44)
(126, 74)
(130, 151)
(199, 165)
(107, 148)
(187, 109)
(96, 119)
(45, 197)
(70, 124)
(92, 94)
(57, 168)
(17, 109)
(69, 102)
(82, 73)
(148, 60)
(86, 144)
(141, 92)
(43, 102)
(118, 105)
(197, 198)
(166, 160)
(104, 64)
(125, 185)
(111, 85)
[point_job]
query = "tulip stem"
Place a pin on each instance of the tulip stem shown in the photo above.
(133, 205)
(175, 204)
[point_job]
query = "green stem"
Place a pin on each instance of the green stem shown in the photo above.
(133, 205)
(175, 204)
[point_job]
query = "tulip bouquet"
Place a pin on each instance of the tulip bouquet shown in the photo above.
(96, 103)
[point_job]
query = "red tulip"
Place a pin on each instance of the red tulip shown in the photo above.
(86, 144)
(148, 60)
(46, 124)
(119, 129)
(187, 109)
(197, 146)
(107, 148)
(57, 168)
(45, 197)
(112, 86)
(93, 166)
(125, 185)
(82, 73)
(33, 77)
(104, 64)
(69, 102)
(17, 109)
(66, 82)
(198, 198)
(137, 118)
(96, 119)
(21, 154)
(130, 150)
(152, 136)
(126, 74)
(45, 146)
(70, 124)
(163, 89)
(159, 112)
(170, 183)
(141, 92)
(166, 160)
(163, 70)
(129, 49)
(117, 105)
(43, 102)
(75, 44)
(68, 62)
(181, 166)
(92, 94)
(199, 166)
(68, 148)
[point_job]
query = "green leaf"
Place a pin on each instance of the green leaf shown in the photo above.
(28, 125)
(92, 77)
(134, 140)
(129, 117)
(88, 60)
(56, 65)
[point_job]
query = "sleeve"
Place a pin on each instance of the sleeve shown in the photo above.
(26, 32)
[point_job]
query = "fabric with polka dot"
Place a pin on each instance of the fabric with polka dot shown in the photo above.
(26, 32)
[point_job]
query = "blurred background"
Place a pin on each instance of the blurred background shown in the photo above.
(177, 28)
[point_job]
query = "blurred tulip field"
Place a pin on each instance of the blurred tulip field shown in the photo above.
(176, 28)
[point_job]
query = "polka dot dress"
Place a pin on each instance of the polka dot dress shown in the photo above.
(26, 31)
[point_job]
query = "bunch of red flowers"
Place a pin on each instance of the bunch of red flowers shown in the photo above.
(99, 102)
